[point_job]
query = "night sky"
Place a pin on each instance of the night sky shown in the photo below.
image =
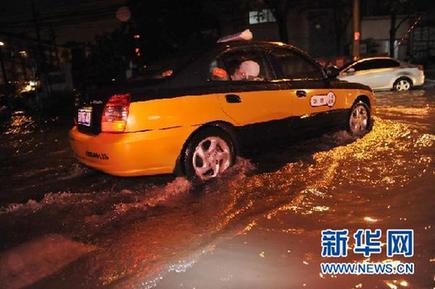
(71, 20)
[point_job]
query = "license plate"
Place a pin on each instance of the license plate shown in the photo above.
(84, 116)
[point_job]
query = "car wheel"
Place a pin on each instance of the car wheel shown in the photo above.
(359, 119)
(208, 154)
(402, 84)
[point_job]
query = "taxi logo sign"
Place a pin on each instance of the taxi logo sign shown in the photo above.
(321, 100)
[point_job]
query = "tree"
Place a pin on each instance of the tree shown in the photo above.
(395, 8)
(166, 26)
(403, 7)
(280, 10)
(342, 17)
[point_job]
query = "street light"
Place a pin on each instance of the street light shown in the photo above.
(2, 43)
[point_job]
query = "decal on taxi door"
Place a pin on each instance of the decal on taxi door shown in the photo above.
(321, 100)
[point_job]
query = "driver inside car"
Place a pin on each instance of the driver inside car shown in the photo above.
(247, 70)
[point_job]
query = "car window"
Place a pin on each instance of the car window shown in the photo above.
(242, 64)
(291, 65)
(387, 63)
(365, 65)
(375, 64)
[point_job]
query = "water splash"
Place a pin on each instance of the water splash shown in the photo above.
(305, 187)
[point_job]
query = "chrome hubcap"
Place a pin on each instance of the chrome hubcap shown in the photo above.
(358, 120)
(211, 157)
(403, 85)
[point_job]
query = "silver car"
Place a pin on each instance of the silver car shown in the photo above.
(381, 73)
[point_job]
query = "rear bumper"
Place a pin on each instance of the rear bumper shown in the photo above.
(130, 154)
(419, 81)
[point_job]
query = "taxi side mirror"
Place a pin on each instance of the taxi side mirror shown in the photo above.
(332, 72)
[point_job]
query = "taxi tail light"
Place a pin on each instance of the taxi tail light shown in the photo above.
(115, 113)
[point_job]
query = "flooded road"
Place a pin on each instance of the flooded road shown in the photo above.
(66, 226)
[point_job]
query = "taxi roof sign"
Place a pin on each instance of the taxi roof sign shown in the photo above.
(244, 35)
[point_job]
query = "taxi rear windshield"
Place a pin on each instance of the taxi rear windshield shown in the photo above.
(168, 66)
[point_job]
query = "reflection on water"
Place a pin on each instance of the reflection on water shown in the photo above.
(396, 284)
(20, 123)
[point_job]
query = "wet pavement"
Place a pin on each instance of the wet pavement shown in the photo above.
(66, 226)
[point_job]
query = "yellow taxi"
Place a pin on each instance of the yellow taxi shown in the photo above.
(197, 114)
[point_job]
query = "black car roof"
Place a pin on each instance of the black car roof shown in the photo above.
(231, 44)
(247, 43)
(257, 43)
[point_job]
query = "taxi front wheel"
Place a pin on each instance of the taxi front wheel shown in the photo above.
(359, 119)
(208, 154)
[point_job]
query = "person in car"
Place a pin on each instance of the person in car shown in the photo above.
(247, 70)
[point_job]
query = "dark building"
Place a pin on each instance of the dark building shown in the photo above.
(324, 28)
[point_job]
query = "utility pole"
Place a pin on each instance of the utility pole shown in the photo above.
(2, 64)
(356, 29)
(40, 59)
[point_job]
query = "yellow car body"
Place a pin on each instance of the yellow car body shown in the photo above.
(159, 127)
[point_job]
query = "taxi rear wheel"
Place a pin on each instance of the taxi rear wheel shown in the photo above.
(208, 154)
(359, 119)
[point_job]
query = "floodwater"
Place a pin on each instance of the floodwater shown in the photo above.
(66, 226)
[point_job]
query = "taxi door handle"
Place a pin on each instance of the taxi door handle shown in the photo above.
(301, 93)
(233, 98)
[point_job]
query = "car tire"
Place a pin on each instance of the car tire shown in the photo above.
(402, 84)
(208, 154)
(359, 121)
